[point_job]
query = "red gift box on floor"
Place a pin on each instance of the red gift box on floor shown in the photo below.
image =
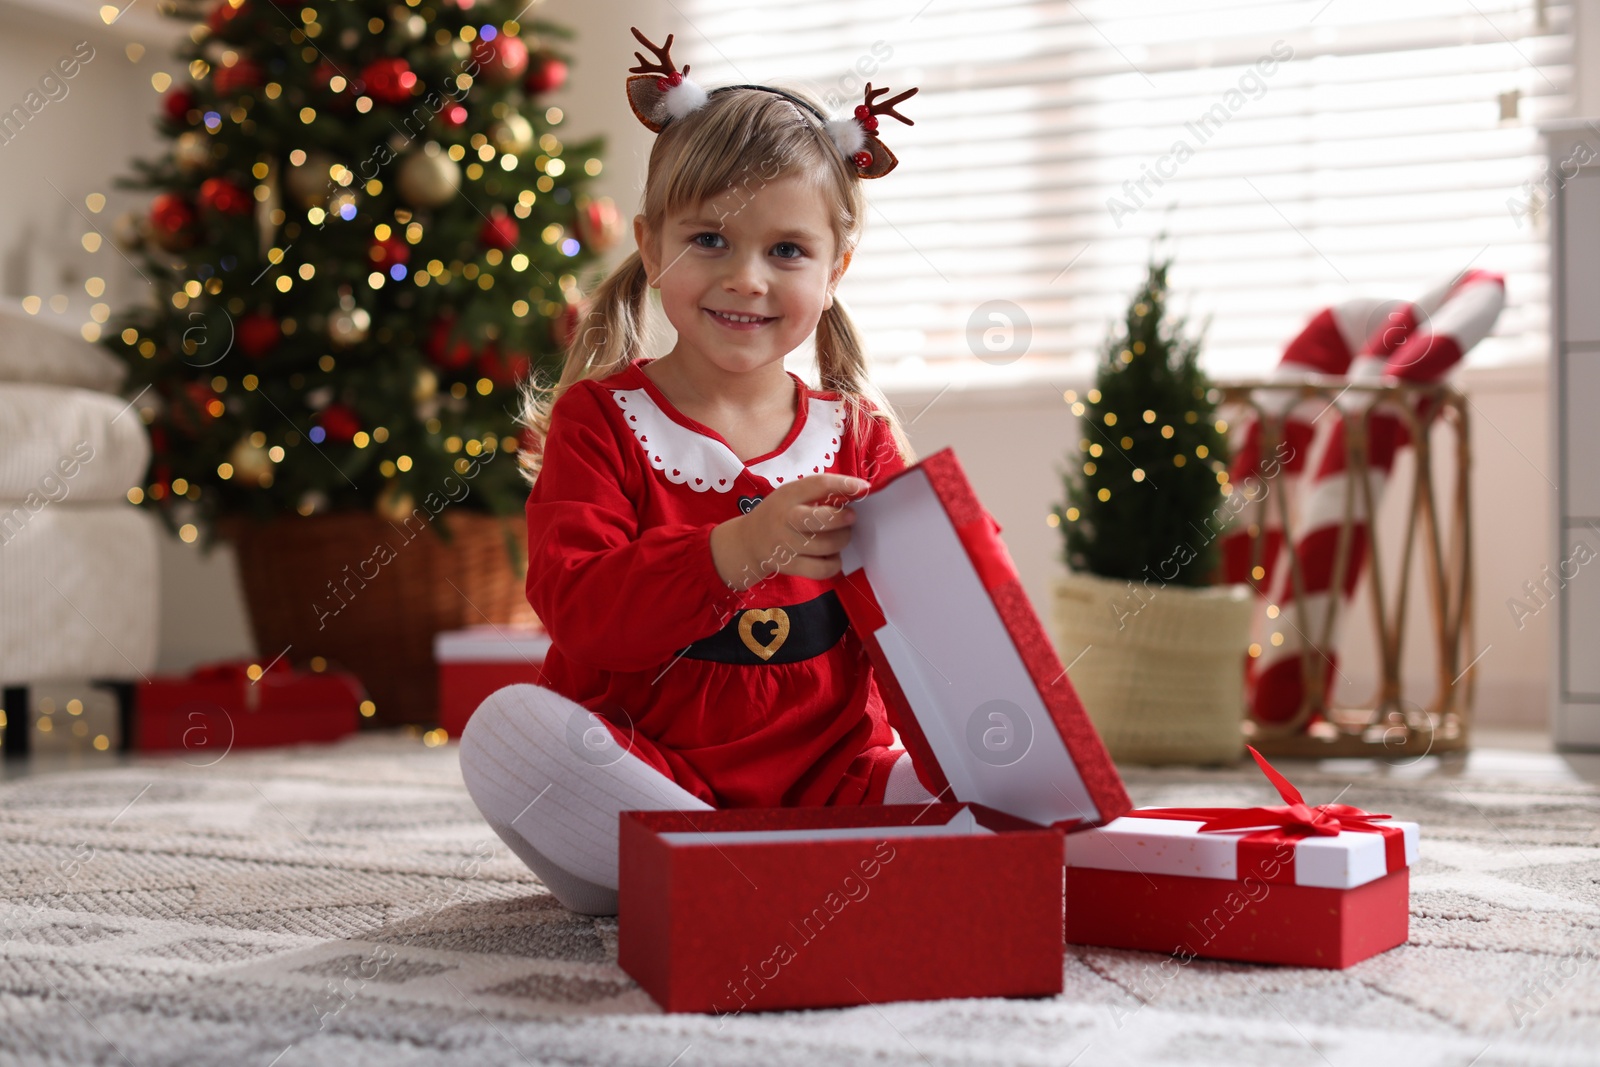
(771, 908)
(478, 660)
(219, 707)
(712, 920)
(1323, 886)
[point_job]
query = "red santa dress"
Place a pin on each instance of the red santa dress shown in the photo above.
(756, 698)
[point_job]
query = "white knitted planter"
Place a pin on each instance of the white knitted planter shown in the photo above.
(1163, 677)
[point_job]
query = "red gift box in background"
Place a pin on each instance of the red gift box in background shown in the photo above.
(1324, 886)
(478, 660)
(713, 922)
(218, 707)
(773, 908)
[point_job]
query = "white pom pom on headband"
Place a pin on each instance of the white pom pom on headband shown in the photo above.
(660, 93)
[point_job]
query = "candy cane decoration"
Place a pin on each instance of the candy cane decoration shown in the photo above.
(1327, 345)
(1420, 343)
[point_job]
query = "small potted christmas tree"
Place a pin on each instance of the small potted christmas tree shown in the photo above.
(1157, 653)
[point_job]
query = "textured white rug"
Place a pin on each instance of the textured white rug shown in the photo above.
(345, 905)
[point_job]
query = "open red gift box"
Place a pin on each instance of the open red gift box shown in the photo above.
(760, 909)
(770, 908)
(1324, 886)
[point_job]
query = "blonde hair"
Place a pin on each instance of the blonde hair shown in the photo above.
(695, 159)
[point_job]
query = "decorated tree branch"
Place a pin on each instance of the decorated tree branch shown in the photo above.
(365, 232)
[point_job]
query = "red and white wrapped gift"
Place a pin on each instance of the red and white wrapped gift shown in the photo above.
(720, 911)
(1323, 886)
(476, 661)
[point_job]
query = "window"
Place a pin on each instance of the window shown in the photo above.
(1294, 153)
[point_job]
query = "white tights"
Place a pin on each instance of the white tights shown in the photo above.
(551, 779)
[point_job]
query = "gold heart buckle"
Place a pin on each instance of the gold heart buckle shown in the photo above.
(773, 615)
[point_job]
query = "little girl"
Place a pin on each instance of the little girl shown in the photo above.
(687, 511)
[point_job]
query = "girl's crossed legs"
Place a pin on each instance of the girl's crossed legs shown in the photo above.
(551, 780)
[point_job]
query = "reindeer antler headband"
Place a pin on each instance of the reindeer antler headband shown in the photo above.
(659, 93)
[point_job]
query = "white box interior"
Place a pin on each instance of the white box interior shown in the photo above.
(952, 655)
(962, 824)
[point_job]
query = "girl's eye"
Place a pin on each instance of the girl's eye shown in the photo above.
(798, 251)
(696, 239)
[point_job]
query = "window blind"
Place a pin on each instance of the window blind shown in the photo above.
(1292, 155)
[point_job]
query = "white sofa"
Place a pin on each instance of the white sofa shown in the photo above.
(78, 574)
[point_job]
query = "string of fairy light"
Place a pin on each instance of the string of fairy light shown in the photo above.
(1094, 450)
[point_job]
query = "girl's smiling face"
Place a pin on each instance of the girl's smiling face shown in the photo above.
(764, 255)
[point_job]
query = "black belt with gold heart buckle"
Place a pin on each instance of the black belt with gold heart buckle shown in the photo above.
(786, 634)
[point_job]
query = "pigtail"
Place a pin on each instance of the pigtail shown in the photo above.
(609, 335)
(842, 368)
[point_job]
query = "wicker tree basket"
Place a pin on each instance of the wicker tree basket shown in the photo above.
(1161, 673)
(369, 594)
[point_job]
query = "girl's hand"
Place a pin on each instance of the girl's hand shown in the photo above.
(797, 529)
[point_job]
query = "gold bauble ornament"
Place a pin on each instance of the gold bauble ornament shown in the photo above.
(427, 385)
(192, 152)
(512, 135)
(130, 231)
(349, 324)
(429, 178)
(309, 183)
(394, 504)
(250, 462)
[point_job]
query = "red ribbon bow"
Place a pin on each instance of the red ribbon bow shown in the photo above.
(1287, 823)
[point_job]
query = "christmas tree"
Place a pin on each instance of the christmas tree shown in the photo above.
(366, 232)
(1142, 499)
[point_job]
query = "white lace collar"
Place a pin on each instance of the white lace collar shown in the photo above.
(690, 458)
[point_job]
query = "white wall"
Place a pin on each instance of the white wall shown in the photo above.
(1011, 442)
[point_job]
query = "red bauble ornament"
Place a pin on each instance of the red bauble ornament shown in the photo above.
(504, 59)
(500, 231)
(258, 334)
(387, 252)
(178, 103)
(172, 222)
(546, 74)
(339, 422)
(221, 15)
(389, 81)
(599, 223)
(225, 196)
(455, 116)
(245, 74)
(445, 353)
(564, 326)
(502, 370)
(862, 160)
(191, 411)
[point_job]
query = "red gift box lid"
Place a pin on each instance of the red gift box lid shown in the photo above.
(972, 682)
